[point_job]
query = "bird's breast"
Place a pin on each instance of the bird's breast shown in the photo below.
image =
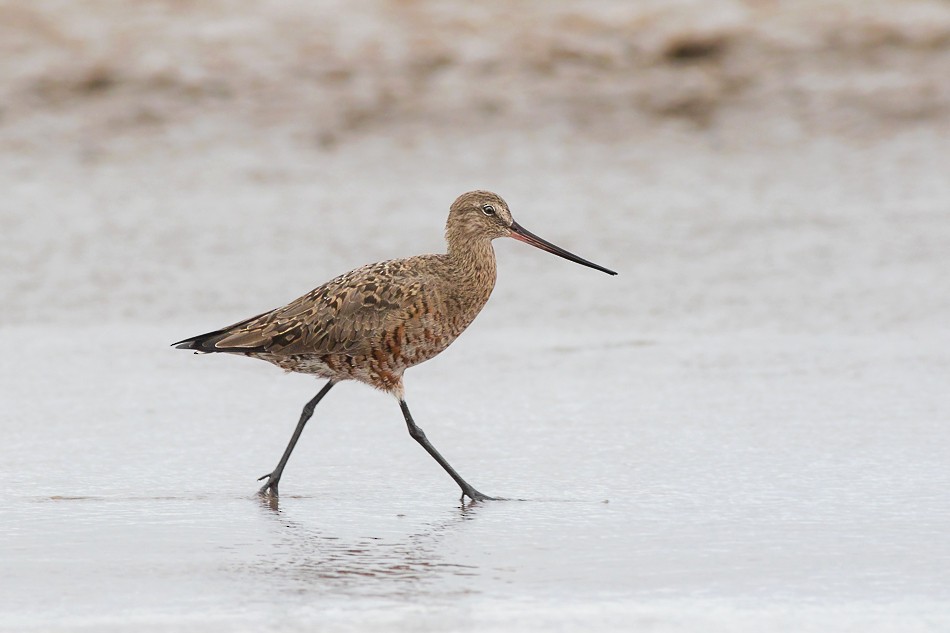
(436, 321)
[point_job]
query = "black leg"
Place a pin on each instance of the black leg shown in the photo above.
(420, 436)
(273, 478)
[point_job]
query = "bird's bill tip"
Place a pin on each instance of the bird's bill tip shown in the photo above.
(522, 234)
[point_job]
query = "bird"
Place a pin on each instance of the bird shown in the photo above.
(376, 321)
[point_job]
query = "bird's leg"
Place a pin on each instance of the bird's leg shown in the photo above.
(419, 435)
(273, 478)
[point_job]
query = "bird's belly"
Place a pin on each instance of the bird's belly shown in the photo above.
(381, 359)
(382, 367)
(375, 370)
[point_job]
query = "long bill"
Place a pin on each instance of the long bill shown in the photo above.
(524, 235)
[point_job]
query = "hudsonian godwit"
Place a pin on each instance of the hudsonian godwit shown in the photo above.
(373, 323)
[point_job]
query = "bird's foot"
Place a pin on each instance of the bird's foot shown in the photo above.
(270, 488)
(475, 495)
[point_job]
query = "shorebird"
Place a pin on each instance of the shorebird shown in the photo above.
(374, 322)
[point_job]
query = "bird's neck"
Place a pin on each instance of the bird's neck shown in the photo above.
(474, 263)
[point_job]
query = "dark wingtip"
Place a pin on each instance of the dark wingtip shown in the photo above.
(196, 343)
(207, 344)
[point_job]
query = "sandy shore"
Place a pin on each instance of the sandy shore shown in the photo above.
(333, 71)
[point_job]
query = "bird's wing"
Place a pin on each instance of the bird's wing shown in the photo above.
(344, 316)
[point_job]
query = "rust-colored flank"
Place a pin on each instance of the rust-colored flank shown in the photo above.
(373, 323)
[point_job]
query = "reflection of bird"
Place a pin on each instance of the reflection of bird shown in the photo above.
(405, 555)
(373, 323)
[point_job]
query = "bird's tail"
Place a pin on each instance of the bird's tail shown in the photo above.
(203, 343)
(206, 343)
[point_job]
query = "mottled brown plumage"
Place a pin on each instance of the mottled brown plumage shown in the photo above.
(374, 322)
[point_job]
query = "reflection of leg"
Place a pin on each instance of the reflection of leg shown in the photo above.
(273, 478)
(420, 436)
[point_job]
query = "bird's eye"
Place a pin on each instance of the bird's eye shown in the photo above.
(488, 209)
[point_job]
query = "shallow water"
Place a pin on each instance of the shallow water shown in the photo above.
(675, 502)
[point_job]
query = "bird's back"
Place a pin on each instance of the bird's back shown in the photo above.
(369, 324)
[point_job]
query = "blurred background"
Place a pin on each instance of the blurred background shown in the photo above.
(761, 394)
(744, 164)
